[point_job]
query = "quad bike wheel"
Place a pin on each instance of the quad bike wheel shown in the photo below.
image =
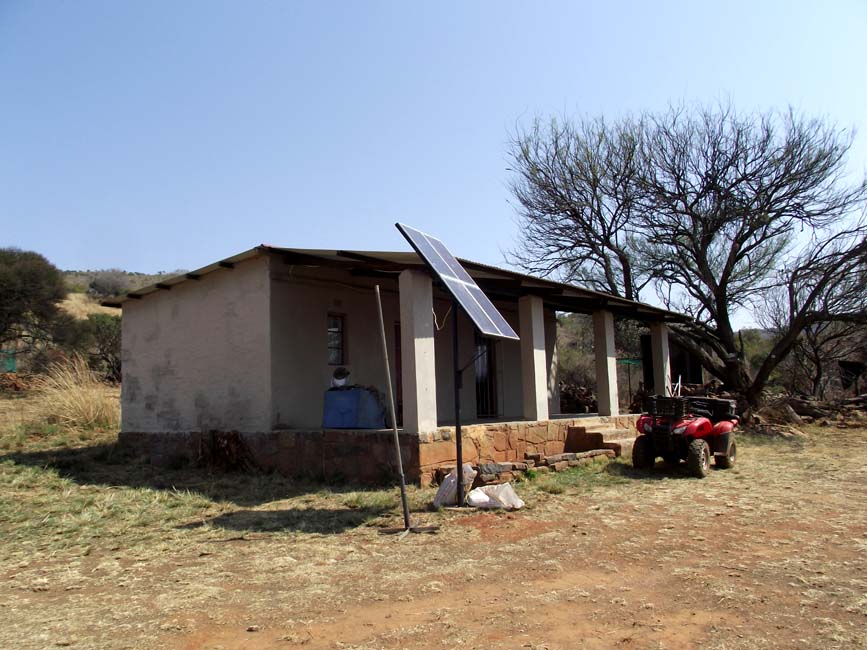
(642, 453)
(725, 461)
(698, 458)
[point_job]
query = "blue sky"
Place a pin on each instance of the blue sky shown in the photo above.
(160, 135)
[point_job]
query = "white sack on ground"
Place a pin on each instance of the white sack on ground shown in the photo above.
(495, 496)
(446, 495)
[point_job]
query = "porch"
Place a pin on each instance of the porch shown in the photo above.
(367, 455)
(427, 376)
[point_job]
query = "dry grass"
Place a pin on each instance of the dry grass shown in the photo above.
(71, 396)
(99, 550)
(80, 306)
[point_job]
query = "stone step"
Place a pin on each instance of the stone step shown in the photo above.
(610, 433)
(616, 434)
(622, 446)
(592, 422)
(572, 456)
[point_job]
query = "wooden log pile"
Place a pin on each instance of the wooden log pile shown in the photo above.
(850, 412)
(577, 399)
(11, 382)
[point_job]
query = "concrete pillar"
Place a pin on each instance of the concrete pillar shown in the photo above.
(553, 357)
(418, 363)
(661, 359)
(606, 363)
(534, 370)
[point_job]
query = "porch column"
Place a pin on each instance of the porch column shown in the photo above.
(534, 373)
(553, 357)
(606, 363)
(661, 359)
(417, 352)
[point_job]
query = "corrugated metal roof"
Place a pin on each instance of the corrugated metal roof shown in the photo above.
(501, 283)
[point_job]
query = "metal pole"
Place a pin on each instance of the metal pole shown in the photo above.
(392, 414)
(458, 381)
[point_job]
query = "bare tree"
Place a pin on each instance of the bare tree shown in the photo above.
(820, 304)
(731, 195)
(578, 201)
(819, 350)
(726, 210)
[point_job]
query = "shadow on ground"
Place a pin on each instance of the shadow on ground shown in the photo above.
(111, 465)
(659, 472)
(303, 520)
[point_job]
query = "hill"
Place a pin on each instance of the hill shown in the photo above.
(81, 305)
(80, 281)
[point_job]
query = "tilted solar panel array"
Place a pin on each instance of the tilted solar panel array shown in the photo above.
(474, 302)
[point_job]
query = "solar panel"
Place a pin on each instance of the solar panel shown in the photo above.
(474, 302)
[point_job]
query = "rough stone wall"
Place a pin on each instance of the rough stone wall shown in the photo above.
(505, 441)
(332, 456)
(359, 456)
(197, 357)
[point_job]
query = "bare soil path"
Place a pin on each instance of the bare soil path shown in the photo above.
(770, 554)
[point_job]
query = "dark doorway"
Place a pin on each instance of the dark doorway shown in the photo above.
(486, 378)
(398, 371)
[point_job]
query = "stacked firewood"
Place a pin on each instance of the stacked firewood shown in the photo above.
(850, 412)
(576, 399)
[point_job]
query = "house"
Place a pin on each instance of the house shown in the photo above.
(249, 345)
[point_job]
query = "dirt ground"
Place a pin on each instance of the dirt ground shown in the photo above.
(770, 554)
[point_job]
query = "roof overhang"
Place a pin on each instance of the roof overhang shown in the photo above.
(498, 283)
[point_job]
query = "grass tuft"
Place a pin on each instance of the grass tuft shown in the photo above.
(71, 397)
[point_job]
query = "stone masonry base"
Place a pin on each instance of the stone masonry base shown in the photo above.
(355, 456)
(503, 442)
(367, 456)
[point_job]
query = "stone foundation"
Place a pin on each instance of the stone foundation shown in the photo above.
(355, 456)
(510, 442)
(367, 456)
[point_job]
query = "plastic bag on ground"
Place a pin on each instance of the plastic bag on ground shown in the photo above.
(447, 494)
(495, 496)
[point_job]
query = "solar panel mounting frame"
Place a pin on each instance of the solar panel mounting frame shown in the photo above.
(485, 316)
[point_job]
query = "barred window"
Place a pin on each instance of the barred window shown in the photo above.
(336, 339)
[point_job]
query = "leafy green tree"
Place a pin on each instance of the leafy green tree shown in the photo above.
(96, 338)
(105, 355)
(30, 288)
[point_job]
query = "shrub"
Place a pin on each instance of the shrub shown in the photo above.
(112, 282)
(72, 396)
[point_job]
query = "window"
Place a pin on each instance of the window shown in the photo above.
(486, 377)
(336, 340)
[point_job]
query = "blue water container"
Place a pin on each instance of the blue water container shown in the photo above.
(352, 408)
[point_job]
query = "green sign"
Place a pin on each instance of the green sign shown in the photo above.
(8, 361)
(630, 361)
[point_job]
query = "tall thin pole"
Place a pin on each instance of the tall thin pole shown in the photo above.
(392, 414)
(458, 381)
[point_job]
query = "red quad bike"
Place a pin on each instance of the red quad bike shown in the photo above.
(686, 428)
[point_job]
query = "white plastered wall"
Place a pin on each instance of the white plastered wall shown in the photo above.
(246, 349)
(302, 299)
(197, 357)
